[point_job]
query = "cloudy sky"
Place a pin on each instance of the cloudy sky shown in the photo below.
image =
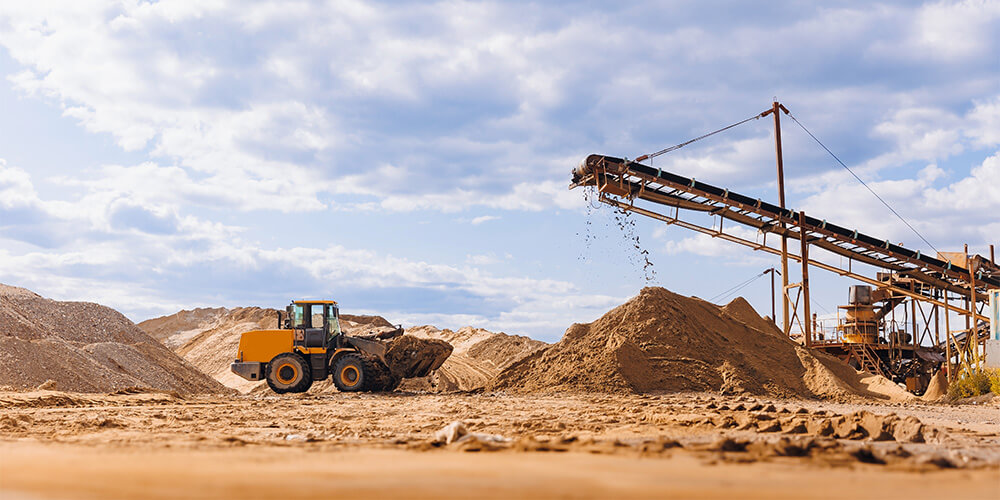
(412, 159)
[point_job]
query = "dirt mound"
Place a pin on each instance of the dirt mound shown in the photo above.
(662, 341)
(85, 347)
(214, 348)
(176, 329)
(741, 310)
(364, 321)
(937, 389)
(479, 356)
(16, 291)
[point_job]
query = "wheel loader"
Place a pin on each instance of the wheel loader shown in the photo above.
(308, 346)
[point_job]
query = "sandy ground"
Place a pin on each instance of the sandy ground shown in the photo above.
(158, 445)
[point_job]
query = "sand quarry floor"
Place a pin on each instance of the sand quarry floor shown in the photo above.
(685, 445)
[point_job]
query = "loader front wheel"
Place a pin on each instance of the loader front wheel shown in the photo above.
(288, 372)
(350, 373)
(381, 378)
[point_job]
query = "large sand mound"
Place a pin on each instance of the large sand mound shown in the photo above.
(479, 356)
(212, 345)
(85, 347)
(661, 341)
(175, 330)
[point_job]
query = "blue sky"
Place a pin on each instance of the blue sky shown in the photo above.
(412, 159)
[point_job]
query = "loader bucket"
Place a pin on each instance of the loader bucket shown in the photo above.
(372, 347)
(410, 357)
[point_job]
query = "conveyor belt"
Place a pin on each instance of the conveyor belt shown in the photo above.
(630, 180)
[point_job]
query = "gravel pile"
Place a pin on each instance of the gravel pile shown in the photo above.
(85, 347)
(662, 341)
(479, 356)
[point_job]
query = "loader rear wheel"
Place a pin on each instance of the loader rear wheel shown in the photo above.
(288, 372)
(350, 373)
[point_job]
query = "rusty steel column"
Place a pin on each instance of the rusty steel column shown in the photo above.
(973, 334)
(937, 320)
(774, 317)
(948, 337)
(913, 313)
(781, 203)
(807, 327)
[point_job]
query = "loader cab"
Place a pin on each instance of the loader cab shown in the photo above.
(315, 323)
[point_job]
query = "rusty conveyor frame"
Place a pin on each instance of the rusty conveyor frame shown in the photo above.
(621, 182)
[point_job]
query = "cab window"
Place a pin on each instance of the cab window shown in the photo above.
(333, 321)
(316, 319)
(298, 316)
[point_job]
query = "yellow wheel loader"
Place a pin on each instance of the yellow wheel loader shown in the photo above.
(308, 346)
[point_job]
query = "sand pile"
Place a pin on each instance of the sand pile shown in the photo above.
(479, 355)
(212, 345)
(662, 341)
(85, 347)
(175, 330)
(741, 310)
(937, 388)
(359, 324)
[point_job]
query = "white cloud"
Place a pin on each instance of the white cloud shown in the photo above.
(951, 30)
(16, 189)
(705, 245)
(102, 211)
(951, 215)
(303, 99)
(481, 260)
(269, 120)
(139, 257)
(541, 307)
(985, 123)
(484, 218)
(524, 196)
(921, 134)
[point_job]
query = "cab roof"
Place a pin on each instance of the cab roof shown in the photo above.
(314, 302)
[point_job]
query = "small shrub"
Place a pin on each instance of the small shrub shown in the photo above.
(994, 376)
(972, 384)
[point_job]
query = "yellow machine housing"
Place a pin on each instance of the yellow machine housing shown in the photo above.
(262, 346)
(860, 325)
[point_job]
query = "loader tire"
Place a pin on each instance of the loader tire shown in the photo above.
(393, 384)
(382, 379)
(288, 372)
(352, 374)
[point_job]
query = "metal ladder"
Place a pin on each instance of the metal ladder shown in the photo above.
(867, 359)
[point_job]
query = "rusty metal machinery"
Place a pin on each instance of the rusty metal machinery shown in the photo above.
(943, 281)
(621, 182)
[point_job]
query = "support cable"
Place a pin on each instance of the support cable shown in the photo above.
(734, 289)
(842, 164)
(696, 139)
